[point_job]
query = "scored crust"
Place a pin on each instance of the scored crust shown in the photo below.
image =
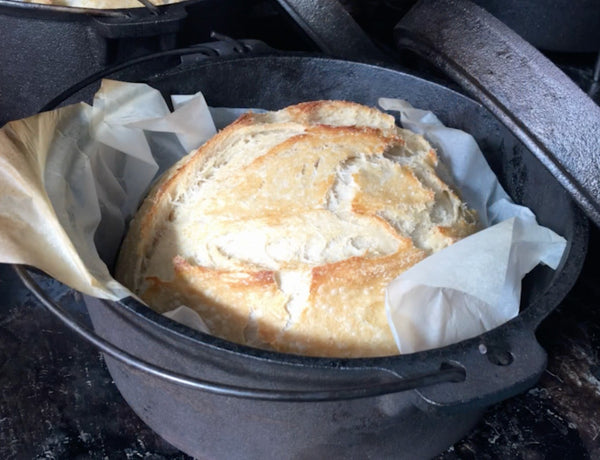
(284, 229)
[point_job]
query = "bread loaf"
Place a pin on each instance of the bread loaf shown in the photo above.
(284, 229)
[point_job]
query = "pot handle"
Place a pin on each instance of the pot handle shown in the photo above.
(497, 365)
(543, 107)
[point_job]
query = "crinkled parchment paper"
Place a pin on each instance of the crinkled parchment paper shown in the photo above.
(474, 285)
(70, 179)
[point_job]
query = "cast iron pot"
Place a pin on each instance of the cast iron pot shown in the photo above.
(215, 399)
(419, 422)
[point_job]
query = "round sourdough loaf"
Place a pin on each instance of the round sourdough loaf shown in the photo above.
(284, 229)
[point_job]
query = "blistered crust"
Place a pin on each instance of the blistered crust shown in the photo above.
(283, 230)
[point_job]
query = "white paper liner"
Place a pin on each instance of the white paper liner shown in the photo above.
(188, 317)
(474, 285)
(74, 176)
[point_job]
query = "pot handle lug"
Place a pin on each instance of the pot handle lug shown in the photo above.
(497, 366)
(543, 107)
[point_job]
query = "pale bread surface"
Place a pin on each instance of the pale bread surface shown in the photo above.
(284, 229)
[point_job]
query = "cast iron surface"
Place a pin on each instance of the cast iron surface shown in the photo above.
(546, 110)
(195, 421)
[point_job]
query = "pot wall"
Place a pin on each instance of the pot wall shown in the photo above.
(215, 427)
(210, 426)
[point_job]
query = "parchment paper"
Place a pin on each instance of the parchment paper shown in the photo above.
(70, 179)
(474, 285)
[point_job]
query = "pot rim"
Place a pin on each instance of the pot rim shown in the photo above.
(521, 328)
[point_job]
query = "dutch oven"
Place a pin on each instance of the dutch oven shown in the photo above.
(215, 399)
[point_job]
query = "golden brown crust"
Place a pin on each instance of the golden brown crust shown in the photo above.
(283, 230)
(223, 298)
